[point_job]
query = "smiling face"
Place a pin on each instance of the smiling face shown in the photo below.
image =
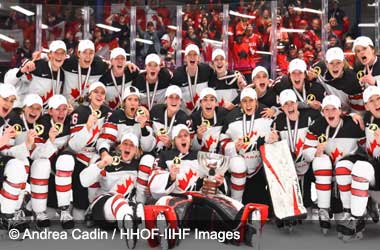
(373, 105)
(6, 105)
(173, 103)
(86, 57)
(366, 55)
(220, 64)
(290, 108)
(32, 113)
(332, 115)
(97, 97)
(335, 68)
(131, 103)
(182, 141)
(118, 64)
(152, 70)
(248, 105)
(128, 150)
(59, 115)
(297, 78)
(208, 105)
(261, 81)
(57, 58)
(192, 59)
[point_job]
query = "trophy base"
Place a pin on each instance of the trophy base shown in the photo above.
(209, 187)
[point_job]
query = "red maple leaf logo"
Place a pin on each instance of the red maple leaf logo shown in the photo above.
(123, 188)
(74, 93)
(191, 104)
(113, 104)
(299, 145)
(46, 97)
(372, 147)
(185, 181)
(208, 144)
(95, 131)
(221, 103)
(334, 155)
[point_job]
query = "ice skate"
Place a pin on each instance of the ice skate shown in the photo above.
(41, 221)
(324, 220)
(352, 229)
(65, 217)
(17, 222)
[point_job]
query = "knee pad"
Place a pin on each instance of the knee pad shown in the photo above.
(147, 160)
(237, 165)
(40, 169)
(363, 169)
(322, 162)
(65, 162)
(343, 172)
(15, 171)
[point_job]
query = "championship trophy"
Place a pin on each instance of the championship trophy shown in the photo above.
(213, 164)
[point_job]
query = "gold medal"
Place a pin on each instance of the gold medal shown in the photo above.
(246, 139)
(162, 131)
(360, 75)
(177, 160)
(207, 123)
(116, 160)
(80, 99)
(39, 128)
(310, 98)
(317, 70)
(97, 113)
(322, 138)
(59, 127)
(140, 112)
(17, 128)
(373, 127)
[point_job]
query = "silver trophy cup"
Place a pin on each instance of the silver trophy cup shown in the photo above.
(213, 164)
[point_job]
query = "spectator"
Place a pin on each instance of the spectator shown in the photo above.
(22, 53)
(152, 35)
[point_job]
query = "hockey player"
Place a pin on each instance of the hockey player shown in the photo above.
(225, 82)
(13, 174)
(165, 116)
(292, 126)
(192, 78)
(179, 172)
(339, 80)
(83, 69)
(309, 93)
(332, 146)
(117, 78)
(153, 83)
(117, 177)
(207, 122)
(42, 77)
(368, 70)
(243, 132)
(51, 170)
(86, 125)
(133, 118)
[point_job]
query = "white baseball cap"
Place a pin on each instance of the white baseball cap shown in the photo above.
(370, 91)
(85, 44)
(7, 90)
(248, 92)
(192, 47)
(287, 95)
(257, 70)
(152, 58)
(364, 41)
(57, 100)
(94, 85)
(56, 45)
(117, 52)
(218, 52)
(334, 53)
(177, 129)
(132, 137)
(31, 99)
(331, 100)
(165, 37)
(130, 90)
(207, 91)
(173, 89)
(297, 64)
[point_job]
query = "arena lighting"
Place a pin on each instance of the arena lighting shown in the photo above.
(308, 10)
(292, 30)
(22, 10)
(264, 52)
(234, 13)
(7, 38)
(108, 27)
(206, 40)
(349, 53)
(140, 40)
(367, 25)
(172, 27)
(44, 26)
(372, 4)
